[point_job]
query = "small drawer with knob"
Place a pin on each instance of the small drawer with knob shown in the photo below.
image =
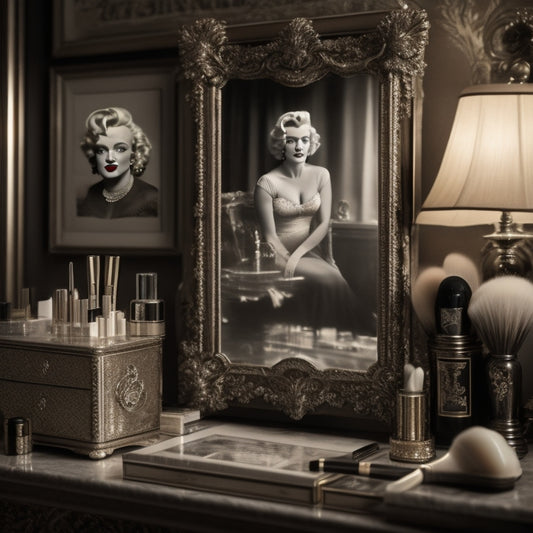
(58, 411)
(45, 366)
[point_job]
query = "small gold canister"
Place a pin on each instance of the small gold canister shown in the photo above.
(17, 436)
(412, 441)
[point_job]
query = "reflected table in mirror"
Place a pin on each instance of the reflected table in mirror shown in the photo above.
(248, 285)
(260, 328)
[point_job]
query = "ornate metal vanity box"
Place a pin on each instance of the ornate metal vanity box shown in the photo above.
(84, 394)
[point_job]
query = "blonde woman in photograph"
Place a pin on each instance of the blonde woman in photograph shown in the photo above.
(293, 204)
(118, 151)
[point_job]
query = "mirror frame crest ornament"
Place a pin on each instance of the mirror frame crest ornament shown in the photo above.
(389, 45)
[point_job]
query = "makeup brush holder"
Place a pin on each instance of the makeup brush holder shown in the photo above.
(456, 363)
(412, 442)
(504, 377)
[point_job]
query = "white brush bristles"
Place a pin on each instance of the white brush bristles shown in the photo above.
(501, 310)
(424, 294)
(456, 264)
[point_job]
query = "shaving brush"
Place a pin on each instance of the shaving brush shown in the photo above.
(501, 311)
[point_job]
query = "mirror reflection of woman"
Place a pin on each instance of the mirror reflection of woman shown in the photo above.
(293, 203)
(118, 150)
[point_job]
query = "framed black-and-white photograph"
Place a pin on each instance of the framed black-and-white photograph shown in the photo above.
(88, 27)
(113, 171)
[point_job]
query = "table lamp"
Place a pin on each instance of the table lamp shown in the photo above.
(488, 168)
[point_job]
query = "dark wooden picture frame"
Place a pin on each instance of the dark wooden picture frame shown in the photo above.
(148, 92)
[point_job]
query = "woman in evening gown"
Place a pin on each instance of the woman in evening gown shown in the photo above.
(293, 203)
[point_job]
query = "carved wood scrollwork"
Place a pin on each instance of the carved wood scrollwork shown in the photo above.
(508, 39)
(392, 49)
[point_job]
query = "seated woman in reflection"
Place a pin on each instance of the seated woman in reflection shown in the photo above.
(118, 150)
(293, 203)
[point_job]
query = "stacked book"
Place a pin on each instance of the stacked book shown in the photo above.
(178, 421)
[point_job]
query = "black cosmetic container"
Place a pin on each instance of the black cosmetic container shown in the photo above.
(17, 436)
(456, 364)
(147, 311)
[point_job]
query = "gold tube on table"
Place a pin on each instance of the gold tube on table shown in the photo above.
(412, 441)
(93, 281)
(60, 312)
(111, 271)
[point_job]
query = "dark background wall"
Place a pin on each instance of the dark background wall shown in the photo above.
(46, 271)
(448, 71)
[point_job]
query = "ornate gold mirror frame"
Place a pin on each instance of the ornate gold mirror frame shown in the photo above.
(388, 45)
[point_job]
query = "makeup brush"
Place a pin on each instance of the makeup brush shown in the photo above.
(424, 294)
(478, 458)
(501, 311)
(354, 463)
(346, 465)
(456, 264)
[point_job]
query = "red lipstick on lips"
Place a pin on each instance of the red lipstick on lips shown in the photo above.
(111, 168)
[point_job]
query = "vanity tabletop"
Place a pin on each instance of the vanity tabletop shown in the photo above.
(456, 508)
(66, 483)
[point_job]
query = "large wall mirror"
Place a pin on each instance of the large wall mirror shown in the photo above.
(267, 317)
(331, 330)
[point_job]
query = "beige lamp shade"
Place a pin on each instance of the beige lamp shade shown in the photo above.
(488, 162)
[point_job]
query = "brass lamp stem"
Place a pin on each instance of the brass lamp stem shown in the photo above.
(506, 252)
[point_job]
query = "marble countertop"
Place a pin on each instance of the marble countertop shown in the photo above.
(61, 479)
(58, 478)
(485, 511)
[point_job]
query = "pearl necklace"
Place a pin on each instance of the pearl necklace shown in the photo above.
(115, 196)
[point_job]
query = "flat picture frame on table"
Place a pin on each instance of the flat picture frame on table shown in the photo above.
(149, 93)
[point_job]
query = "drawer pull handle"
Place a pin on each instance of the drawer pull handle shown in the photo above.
(45, 366)
(130, 392)
(41, 404)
